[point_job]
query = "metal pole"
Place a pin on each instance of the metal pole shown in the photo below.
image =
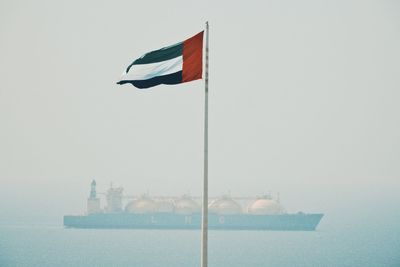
(204, 224)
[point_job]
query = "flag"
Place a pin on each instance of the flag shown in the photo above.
(178, 63)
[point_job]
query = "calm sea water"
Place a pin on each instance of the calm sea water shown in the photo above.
(333, 244)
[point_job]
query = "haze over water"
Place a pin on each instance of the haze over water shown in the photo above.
(303, 101)
(332, 245)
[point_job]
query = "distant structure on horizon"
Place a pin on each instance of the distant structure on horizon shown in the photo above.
(225, 212)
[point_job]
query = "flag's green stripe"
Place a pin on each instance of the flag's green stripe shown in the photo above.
(162, 54)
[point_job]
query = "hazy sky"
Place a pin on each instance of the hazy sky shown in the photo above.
(304, 100)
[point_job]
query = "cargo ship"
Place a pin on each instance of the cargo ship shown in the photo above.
(225, 213)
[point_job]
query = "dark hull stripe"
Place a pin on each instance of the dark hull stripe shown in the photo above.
(159, 55)
(173, 78)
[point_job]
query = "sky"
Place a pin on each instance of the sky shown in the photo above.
(303, 101)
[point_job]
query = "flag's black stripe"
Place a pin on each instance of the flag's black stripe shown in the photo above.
(159, 55)
(173, 78)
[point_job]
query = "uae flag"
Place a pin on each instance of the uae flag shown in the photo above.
(179, 63)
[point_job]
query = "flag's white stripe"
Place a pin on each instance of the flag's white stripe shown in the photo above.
(148, 71)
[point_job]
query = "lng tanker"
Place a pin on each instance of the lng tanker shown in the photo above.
(225, 213)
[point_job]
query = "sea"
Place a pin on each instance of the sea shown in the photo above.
(336, 242)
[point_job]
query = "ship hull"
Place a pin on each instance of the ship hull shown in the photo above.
(282, 222)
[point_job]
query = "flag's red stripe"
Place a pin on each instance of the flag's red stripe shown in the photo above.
(192, 68)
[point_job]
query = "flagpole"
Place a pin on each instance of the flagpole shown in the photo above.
(204, 224)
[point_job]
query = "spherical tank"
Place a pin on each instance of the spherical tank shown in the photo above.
(265, 206)
(141, 205)
(186, 205)
(225, 206)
